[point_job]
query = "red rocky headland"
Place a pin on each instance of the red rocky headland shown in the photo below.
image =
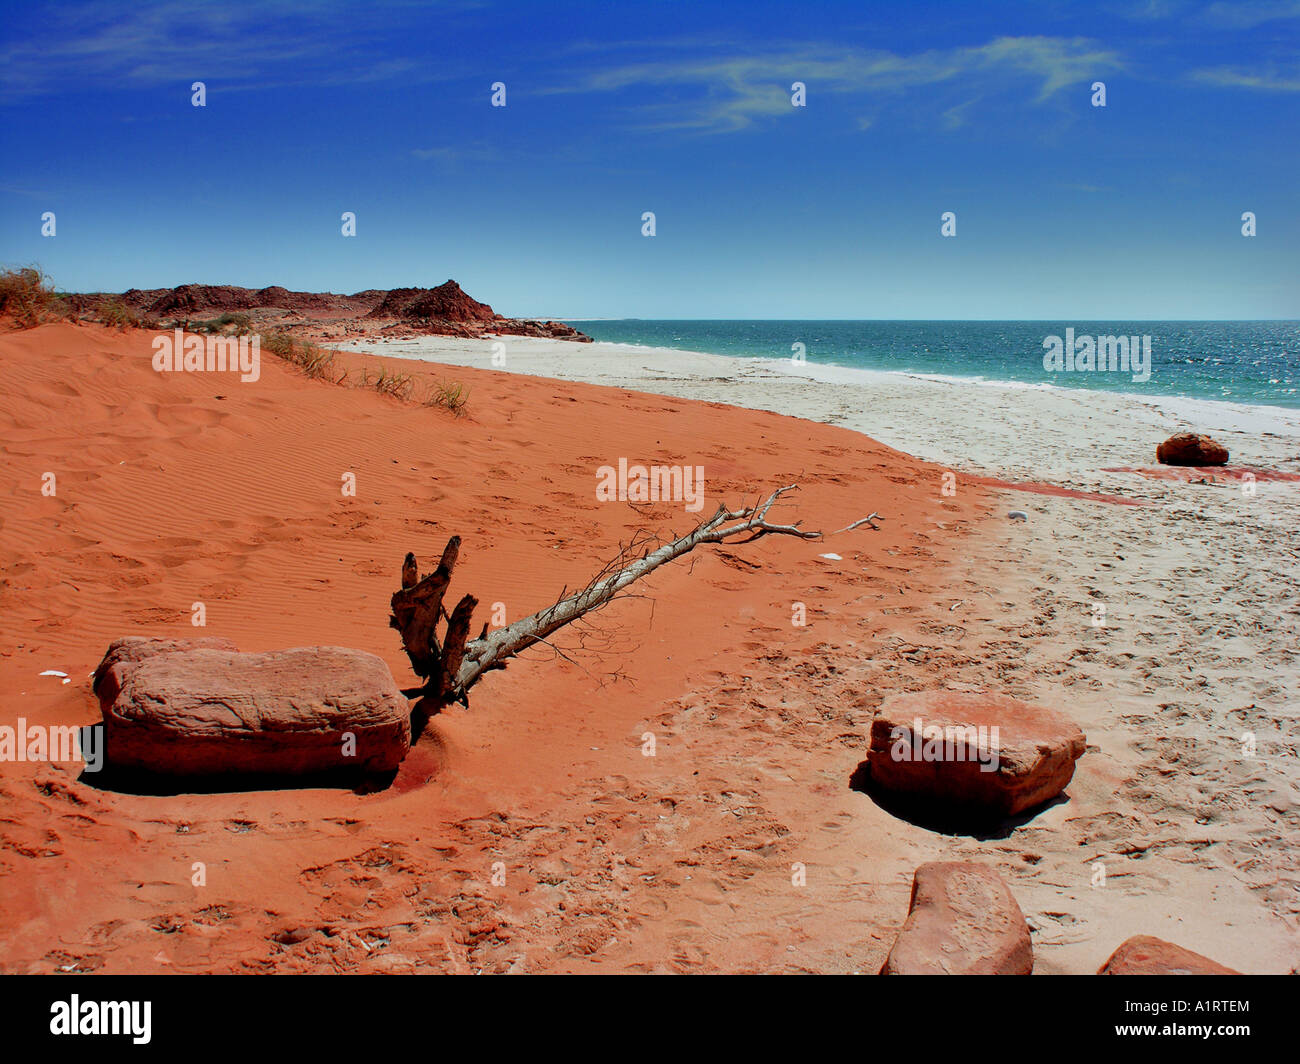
(442, 311)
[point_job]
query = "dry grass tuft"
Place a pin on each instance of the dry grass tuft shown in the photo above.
(450, 395)
(26, 296)
(308, 356)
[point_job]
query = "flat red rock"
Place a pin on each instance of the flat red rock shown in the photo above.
(202, 711)
(1148, 955)
(982, 753)
(963, 920)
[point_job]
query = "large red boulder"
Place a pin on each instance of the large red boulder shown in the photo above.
(1191, 449)
(965, 753)
(963, 920)
(1148, 955)
(180, 710)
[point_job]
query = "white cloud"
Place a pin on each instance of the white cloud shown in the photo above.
(729, 92)
(1247, 14)
(75, 46)
(1258, 80)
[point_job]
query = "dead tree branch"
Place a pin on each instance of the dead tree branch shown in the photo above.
(451, 667)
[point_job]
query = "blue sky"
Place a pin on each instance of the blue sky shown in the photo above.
(763, 209)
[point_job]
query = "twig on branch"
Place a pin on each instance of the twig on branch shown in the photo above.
(870, 519)
(451, 667)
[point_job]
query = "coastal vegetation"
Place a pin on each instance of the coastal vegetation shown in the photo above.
(27, 297)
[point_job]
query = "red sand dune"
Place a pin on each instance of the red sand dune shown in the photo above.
(181, 488)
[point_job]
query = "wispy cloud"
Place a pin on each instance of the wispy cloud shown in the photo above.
(453, 155)
(955, 117)
(727, 93)
(1222, 14)
(1228, 15)
(1149, 10)
(72, 47)
(1247, 14)
(1269, 80)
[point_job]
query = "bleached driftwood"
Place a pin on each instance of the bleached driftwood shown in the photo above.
(452, 665)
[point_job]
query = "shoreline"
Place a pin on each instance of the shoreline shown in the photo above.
(690, 374)
(973, 378)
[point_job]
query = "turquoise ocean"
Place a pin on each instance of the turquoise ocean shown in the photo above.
(1251, 362)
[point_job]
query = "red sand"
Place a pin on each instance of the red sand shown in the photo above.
(177, 488)
(1212, 474)
(1037, 488)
